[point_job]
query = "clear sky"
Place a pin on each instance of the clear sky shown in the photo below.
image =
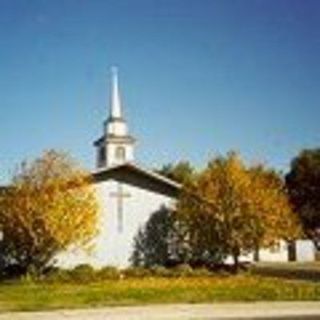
(198, 77)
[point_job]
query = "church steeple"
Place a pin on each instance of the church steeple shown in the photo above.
(116, 111)
(116, 146)
(116, 124)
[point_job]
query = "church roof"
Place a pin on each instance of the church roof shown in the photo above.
(111, 137)
(133, 174)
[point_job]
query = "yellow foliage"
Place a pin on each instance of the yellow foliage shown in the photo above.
(50, 205)
(236, 209)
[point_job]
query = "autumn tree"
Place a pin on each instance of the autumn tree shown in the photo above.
(182, 172)
(303, 183)
(49, 206)
(233, 209)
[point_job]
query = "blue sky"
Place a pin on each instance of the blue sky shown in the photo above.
(198, 77)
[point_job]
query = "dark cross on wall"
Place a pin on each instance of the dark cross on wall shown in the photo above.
(120, 196)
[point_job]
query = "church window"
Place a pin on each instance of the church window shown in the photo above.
(102, 156)
(120, 153)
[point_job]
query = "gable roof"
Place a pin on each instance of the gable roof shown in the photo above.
(133, 174)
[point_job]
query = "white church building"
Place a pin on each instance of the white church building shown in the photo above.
(129, 194)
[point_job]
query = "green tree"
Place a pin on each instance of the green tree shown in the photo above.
(49, 206)
(182, 172)
(303, 183)
(232, 209)
(153, 241)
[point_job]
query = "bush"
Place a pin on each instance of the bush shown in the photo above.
(137, 272)
(12, 271)
(107, 273)
(58, 275)
(287, 270)
(83, 273)
(160, 271)
(183, 270)
(86, 273)
(201, 272)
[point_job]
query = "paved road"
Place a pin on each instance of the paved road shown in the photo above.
(277, 310)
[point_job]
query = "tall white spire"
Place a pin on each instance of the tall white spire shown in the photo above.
(116, 146)
(116, 112)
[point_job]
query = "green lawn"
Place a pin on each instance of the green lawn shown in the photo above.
(24, 296)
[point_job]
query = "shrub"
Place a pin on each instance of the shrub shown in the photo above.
(201, 272)
(83, 273)
(287, 270)
(108, 273)
(11, 271)
(160, 271)
(58, 275)
(136, 272)
(183, 270)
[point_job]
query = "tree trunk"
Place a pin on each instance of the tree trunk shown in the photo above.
(235, 255)
(256, 255)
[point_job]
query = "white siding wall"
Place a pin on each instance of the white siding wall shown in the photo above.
(112, 247)
(305, 250)
(278, 253)
(111, 159)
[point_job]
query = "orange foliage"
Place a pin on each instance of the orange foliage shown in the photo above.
(236, 209)
(50, 205)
